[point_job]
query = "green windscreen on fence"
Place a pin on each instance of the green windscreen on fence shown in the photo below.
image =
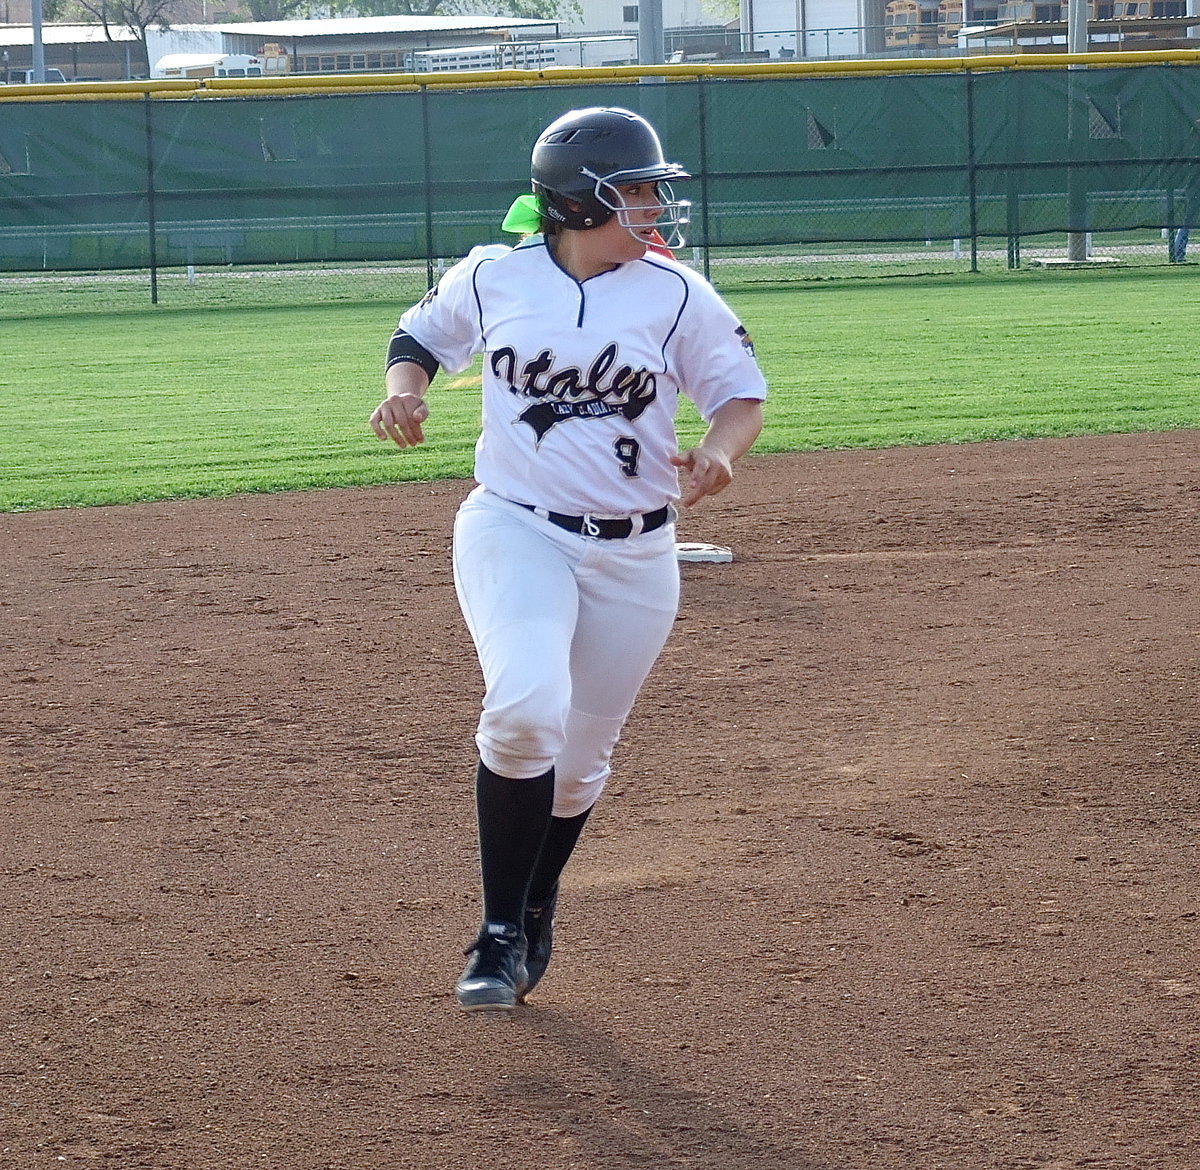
(411, 175)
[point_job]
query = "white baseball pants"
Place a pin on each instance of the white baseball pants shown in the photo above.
(567, 628)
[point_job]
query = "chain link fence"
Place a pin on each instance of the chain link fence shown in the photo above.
(220, 285)
(327, 197)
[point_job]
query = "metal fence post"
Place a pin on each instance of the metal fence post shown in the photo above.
(702, 123)
(428, 156)
(1012, 221)
(972, 192)
(151, 217)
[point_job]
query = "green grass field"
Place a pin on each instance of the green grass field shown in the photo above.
(141, 403)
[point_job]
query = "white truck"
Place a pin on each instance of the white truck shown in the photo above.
(569, 52)
(25, 77)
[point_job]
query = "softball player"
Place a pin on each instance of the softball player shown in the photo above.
(564, 554)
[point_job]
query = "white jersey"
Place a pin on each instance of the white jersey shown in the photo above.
(581, 380)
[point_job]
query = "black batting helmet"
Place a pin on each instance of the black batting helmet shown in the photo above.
(585, 151)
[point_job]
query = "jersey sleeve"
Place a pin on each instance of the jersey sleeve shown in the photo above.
(446, 320)
(714, 354)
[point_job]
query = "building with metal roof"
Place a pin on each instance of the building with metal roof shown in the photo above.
(78, 50)
(362, 44)
(342, 45)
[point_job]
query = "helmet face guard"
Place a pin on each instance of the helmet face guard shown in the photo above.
(673, 214)
(580, 161)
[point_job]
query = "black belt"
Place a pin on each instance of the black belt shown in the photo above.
(605, 528)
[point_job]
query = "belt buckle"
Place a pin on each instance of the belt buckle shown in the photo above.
(590, 527)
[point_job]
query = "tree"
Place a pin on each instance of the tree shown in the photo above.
(134, 15)
(533, 9)
(539, 9)
(278, 9)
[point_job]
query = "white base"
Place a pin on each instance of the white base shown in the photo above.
(698, 553)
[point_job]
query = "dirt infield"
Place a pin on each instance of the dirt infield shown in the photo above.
(900, 868)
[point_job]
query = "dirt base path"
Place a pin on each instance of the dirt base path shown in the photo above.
(900, 869)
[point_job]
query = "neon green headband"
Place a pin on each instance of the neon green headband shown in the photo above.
(524, 217)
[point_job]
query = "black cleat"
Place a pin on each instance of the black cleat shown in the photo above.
(539, 935)
(495, 978)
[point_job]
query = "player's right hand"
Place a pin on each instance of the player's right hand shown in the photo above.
(399, 417)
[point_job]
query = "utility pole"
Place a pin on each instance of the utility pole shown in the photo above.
(652, 47)
(39, 50)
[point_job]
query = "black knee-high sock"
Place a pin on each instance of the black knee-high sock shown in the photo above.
(560, 842)
(513, 818)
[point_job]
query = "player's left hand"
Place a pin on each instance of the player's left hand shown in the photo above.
(709, 471)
